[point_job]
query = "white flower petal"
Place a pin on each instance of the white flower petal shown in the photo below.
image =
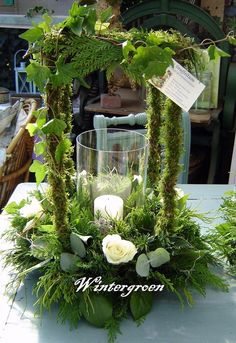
(118, 250)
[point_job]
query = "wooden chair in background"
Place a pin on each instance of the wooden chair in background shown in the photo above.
(18, 157)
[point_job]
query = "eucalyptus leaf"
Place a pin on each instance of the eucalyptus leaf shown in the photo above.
(140, 304)
(39, 249)
(77, 245)
(54, 126)
(158, 257)
(142, 265)
(97, 310)
(39, 169)
(68, 262)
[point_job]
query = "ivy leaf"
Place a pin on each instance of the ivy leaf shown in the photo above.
(39, 169)
(41, 112)
(214, 52)
(151, 61)
(65, 72)
(106, 15)
(54, 126)
(77, 26)
(45, 25)
(82, 18)
(32, 128)
(232, 40)
(38, 73)
(41, 115)
(77, 10)
(13, 207)
(68, 262)
(142, 265)
(127, 47)
(32, 35)
(39, 148)
(62, 148)
(90, 21)
(77, 245)
(97, 310)
(73, 10)
(140, 304)
(41, 121)
(158, 257)
(155, 68)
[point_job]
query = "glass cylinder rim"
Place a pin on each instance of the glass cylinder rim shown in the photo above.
(145, 145)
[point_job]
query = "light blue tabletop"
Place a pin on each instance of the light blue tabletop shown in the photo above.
(211, 320)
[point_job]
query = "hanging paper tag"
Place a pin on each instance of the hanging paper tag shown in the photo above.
(179, 85)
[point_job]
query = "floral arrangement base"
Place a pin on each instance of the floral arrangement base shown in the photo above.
(106, 269)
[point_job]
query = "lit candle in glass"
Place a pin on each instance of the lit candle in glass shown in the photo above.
(109, 206)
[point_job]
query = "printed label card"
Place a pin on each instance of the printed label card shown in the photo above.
(179, 85)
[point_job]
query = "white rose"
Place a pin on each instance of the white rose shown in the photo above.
(32, 209)
(118, 250)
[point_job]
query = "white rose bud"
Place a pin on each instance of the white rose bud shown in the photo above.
(32, 209)
(118, 250)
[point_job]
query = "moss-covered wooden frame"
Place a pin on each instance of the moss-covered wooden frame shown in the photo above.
(73, 50)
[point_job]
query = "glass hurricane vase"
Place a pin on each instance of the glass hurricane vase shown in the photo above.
(112, 170)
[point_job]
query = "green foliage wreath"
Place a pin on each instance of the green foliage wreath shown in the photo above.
(60, 238)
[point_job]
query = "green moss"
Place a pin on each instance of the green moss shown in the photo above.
(172, 136)
(154, 127)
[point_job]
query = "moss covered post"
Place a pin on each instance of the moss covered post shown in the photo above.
(60, 168)
(172, 139)
(154, 128)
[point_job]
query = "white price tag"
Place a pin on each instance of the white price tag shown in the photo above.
(179, 85)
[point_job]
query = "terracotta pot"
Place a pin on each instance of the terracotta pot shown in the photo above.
(110, 101)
